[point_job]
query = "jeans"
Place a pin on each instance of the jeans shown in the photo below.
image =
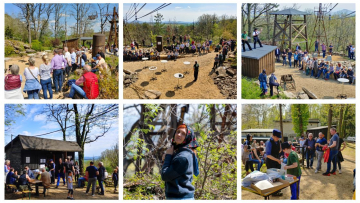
(324, 52)
(309, 155)
(316, 48)
(57, 76)
(101, 184)
(289, 62)
(33, 94)
(80, 180)
(79, 90)
(333, 159)
(271, 88)
(256, 39)
(277, 58)
(284, 61)
(352, 55)
(260, 163)
(46, 85)
(172, 198)
(295, 189)
(336, 75)
(312, 72)
(91, 182)
(328, 74)
(52, 177)
(319, 156)
(58, 179)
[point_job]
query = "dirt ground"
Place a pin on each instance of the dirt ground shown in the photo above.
(318, 187)
(23, 63)
(321, 88)
(61, 193)
(203, 88)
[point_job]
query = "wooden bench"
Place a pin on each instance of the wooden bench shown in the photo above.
(26, 193)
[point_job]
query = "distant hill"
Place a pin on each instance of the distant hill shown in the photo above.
(167, 22)
(91, 158)
(343, 12)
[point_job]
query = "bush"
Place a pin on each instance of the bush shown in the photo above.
(9, 50)
(36, 45)
(55, 42)
(249, 90)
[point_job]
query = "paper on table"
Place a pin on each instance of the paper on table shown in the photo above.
(264, 184)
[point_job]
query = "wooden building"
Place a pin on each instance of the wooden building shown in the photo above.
(315, 131)
(35, 152)
(254, 61)
(71, 43)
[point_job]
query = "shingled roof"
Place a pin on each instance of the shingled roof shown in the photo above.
(259, 52)
(36, 143)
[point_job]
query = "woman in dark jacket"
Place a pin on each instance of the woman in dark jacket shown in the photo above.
(179, 166)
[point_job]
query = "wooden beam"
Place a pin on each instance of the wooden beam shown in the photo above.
(274, 42)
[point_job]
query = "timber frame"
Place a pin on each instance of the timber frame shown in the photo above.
(287, 31)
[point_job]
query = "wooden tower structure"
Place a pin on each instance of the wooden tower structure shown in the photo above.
(319, 31)
(290, 29)
(114, 29)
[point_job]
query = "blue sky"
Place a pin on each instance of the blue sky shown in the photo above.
(307, 6)
(13, 10)
(34, 124)
(186, 12)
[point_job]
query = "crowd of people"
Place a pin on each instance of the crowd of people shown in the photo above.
(314, 67)
(52, 73)
(274, 152)
(68, 171)
(173, 51)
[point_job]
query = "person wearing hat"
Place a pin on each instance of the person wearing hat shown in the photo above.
(52, 171)
(178, 168)
(273, 150)
(256, 37)
(100, 60)
(263, 82)
(293, 168)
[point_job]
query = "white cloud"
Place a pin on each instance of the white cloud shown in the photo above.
(25, 133)
(50, 126)
(64, 15)
(40, 117)
(189, 7)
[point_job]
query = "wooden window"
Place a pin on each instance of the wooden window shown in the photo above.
(42, 161)
(27, 160)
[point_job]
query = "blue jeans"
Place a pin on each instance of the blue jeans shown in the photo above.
(310, 155)
(324, 52)
(328, 74)
(33, 94)
(57, 76)
(260, 163)
(58, 179)
(101, 184)
(333, 159)
(289, 62)
(46, 85)
(295, 190)
(80, 180)
(79, 90)
(316, 48)
(312, 72)
(352, 55)
(284, 61)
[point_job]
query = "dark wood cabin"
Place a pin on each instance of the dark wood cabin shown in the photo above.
(34, 151)
(254, 61)
(71, 43)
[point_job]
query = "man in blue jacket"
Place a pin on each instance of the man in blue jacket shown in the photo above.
(320, 143)
(263, 82)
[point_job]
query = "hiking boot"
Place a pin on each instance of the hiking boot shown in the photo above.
(326, 174)
(339, 171)
(333, 173)
(316, 171)
(68, 198)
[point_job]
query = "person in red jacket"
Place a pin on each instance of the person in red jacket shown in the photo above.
(13, 83)
(90, 83)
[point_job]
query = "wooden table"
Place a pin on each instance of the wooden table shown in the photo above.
(267, 195)
(36, 183)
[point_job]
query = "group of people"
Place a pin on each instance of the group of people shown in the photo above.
(53, 72)
(256, 39)
(274, 152)
(67, 170)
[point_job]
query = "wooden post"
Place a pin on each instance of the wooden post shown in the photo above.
(307, 44)
(275, 21)
(290, 32)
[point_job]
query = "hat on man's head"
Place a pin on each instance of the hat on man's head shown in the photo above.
(51, 160)
(277, 133)
(285, 145)
(97, 55)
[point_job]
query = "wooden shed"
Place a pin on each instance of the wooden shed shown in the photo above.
(254, 61)
(35, 152)
(71, 43)
(317, 130)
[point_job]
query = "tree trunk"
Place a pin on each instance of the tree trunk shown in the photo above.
(341, 120)
(329, 121)
(301, 127)
(81, 161)
(281, 123)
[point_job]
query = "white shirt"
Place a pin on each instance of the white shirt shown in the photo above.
(352, 49)
(256, 33)
(34, 71)
(68, 56)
